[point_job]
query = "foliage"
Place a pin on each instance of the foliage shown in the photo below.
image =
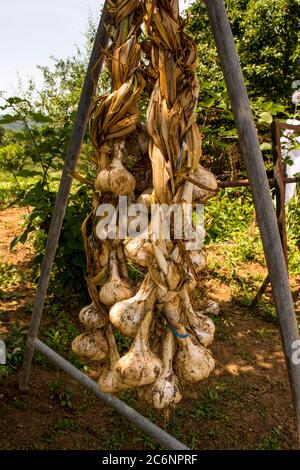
(37, 131)
(37, 125)
(265, 32)
(268, 50)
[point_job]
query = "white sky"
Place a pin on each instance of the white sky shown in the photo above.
(33, 30)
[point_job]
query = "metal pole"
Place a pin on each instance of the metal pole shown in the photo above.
(260, 191)
(79, 127)
(133, 416)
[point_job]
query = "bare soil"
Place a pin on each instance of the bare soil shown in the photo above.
(246, 403)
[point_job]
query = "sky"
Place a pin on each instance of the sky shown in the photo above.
(33, 30)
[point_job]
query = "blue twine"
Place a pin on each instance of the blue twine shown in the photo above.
(175, 332)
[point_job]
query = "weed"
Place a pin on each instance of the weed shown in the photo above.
(20, 403)
(62, 394)
(272, 441)
(65, 424)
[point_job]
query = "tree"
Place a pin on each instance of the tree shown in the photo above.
(266, 34)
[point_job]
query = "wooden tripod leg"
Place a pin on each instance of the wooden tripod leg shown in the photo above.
(250, 147)
(80, 123)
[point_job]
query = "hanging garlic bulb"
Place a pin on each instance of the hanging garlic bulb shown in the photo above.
(116, 178)
(202, 325)
(108, 380)
(92, 318)
(90, 345)
(207, 179)
(147, 198)
(139, 250)
(193, 361)
(164, 392)
(127, 315)
(115, 289)
(140, 366)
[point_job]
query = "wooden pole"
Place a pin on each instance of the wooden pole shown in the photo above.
(246, 183)
(260, 190)
(79, 128)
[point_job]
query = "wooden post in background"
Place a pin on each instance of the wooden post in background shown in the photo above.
(248, 139)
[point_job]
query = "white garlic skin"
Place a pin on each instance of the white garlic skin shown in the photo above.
(91, 317)
(90, 345)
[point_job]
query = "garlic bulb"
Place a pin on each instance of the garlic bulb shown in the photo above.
(193, 361)
(140, 366)
(116, 178)
(202, 325)
(115, 289)
(207, 179)
(127, 315)
(91, 317)
(108, 380)
(164, 392)
(147, 198)
(172, 309)
(139, 250)
(90, 345)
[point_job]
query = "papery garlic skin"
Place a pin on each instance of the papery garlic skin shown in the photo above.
(90, 345)
(147, 198)
(115, 289)
(139, 250)
(164, 392)
(127, 314)
(92, 318)
(140, 366)
(116, 178)
(202, 325)
(193, 361)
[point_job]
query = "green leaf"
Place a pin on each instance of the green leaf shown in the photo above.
(40, 117)
(8, 118)
(265, 118)
(266, 146)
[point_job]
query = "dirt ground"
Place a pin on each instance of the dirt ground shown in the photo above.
(245, 404)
